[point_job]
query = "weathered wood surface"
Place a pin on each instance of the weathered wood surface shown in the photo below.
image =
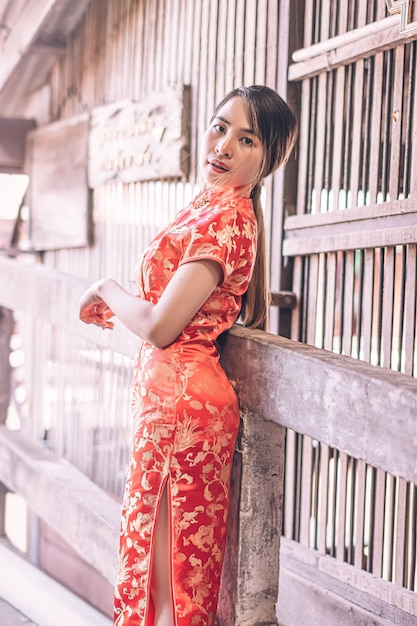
(12, 143)
(64, 498)
(363, 410)
(58, 194)
(139, 141)
(338, 52)
(366, 411)
(353, 596)
(24, 67)
(386, 224)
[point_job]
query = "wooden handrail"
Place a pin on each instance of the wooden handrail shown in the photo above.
(367, 411)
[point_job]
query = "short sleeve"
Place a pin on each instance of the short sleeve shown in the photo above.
(227, 236)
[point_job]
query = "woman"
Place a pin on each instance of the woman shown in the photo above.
(194, 280)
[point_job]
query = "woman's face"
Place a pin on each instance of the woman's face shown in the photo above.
(231, 153)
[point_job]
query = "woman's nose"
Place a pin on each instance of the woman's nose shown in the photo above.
(223, 147)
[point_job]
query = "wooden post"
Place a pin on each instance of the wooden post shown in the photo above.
(6, 328)
(249, 590)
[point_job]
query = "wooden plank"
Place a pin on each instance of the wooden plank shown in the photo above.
(297, 288)
(354, 587)
(354, 229)
(367, 304)
(398, 110)
(409, 329)
(341, 513)
(348, 294)
(359, 525)
(58, 194)
(358, 106)
(305, 499)
(375, 129)
(400, 534)
(413, 130)
(249, 51)
(311, 295)
(337, 136)
(43, 480)
(322, 505)
(303, 200)
(290, 484)
(331, 278)
(377, 537)
(355, 214)
(337, 54)
(387, 307)
(381, 440)
(329, 241)
(320, 142)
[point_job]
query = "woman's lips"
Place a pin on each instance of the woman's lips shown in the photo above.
(218, 166)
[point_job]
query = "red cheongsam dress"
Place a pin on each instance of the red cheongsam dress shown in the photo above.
(186, 419)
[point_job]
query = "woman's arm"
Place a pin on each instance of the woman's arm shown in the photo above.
(160, 323)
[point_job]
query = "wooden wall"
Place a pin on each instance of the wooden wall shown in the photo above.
(349, 241)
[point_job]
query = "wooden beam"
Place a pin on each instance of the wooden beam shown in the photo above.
(64, 498)
(337, 53)
(363, 410)
(332, 589)
(22, 35)
(367, 227)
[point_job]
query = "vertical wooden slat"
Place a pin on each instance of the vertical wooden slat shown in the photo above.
(356, 131)
(348, 302)
(290, 482)
(388, 298)
(396, 122)
(230, 78)
(400, 534)
(297, 288)
(312, 298)
(377, 543)
(260, 52)
(337, 135)
(360, 514)
(239, 39)
(322, 506)
(375, 126)
(319, 149)
(413, 130)
(308, 24)
(305, 500)
(220, 78)
(330, 300)
(251, 10)
(304, 146)
(341, 506)
(410, 311)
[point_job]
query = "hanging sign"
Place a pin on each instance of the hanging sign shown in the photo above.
(140, 141)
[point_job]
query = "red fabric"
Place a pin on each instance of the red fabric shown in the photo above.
(187, 418)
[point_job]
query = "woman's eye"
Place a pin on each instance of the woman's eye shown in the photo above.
(218, 127)
(247, 141)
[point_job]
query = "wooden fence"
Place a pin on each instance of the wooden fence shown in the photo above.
(365, 412)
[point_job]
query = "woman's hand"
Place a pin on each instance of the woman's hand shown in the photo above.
(93, 309)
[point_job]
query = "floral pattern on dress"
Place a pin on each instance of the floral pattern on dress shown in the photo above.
(186, 420)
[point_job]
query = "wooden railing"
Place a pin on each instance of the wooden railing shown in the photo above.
(365, 411)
